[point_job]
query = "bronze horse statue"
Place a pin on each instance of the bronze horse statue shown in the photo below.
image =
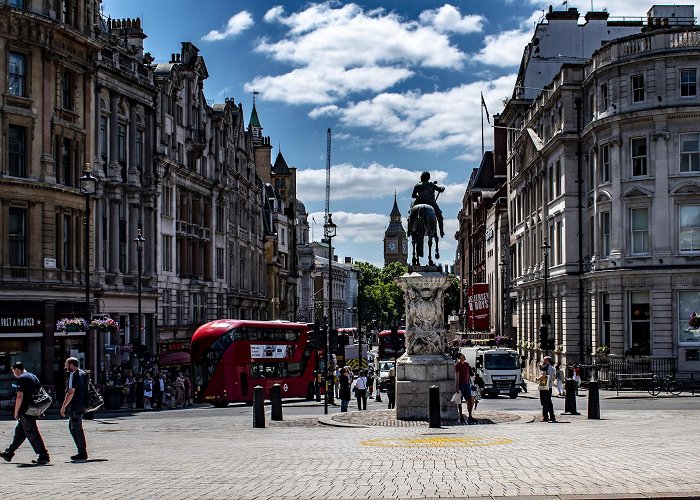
(422, 222)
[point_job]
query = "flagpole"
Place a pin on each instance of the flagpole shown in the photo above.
(482, 124)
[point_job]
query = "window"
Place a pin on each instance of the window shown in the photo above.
(604, 97)
(139, 151)
(690, 152)
(17, 75)
(181, 308)
(167, 252)
(557, 179)
(199, 308)
(17, 3)
(605, 233)
(17, 151)
(121, 144)
(640, 230)
(66, 243)
(688, 82)
(66, 11)
(68, 90)
(604, 319)
(167, 205)
(18, 236)
(605, 163)
(637, 88)
(166, 307)
(689, 217)
(220, 263)
(103, 137)
(639, 156)
(640, 322)
(220, 218)
(65, 166)
(688, 303)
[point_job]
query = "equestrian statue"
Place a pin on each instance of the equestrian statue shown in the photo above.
(425, 218)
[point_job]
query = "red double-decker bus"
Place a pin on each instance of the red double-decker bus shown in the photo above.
(391, 346)
(230, 357)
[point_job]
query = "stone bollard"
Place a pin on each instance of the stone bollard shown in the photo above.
(258, 407)
(434, 406)
(276, 402)
(593, 400)
(570, 403)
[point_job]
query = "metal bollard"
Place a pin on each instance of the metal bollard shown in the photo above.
(570, 403)
(593, 400)
(378, 398)
(258, 407)
(276, 402)
(434, 406)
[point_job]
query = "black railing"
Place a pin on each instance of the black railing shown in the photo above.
(606, 372)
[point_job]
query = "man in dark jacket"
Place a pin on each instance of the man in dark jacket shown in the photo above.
(27, 385)
(76, 402)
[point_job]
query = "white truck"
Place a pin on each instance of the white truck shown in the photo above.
(499, 369)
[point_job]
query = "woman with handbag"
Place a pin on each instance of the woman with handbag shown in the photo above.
(28, 385)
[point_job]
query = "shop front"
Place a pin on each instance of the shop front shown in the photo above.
(21, 336)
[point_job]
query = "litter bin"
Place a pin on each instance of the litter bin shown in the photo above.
(113, 397)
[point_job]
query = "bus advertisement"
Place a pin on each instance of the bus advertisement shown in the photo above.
(230, 357)
(391, 346)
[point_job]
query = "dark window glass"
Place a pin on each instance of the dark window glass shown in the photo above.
(688, 82)
(637, 88)
(639, 156)
(66, 163)
(17, 139)
(17, 75)
(18, 236)
(68, 90)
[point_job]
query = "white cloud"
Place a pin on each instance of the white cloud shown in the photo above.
(344, 50)
(448, 19)
(235, 26)
(504, 49)
(432, 121)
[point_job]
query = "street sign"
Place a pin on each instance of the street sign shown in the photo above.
(110, 349)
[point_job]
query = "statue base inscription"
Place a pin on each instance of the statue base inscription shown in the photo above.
(424, 364)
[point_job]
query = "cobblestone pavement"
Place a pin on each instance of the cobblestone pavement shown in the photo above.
(388, 418)
(629, 454)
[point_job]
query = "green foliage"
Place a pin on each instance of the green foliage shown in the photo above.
(382, 299)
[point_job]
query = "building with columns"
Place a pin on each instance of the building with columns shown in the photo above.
(48, 76)
(603, 188)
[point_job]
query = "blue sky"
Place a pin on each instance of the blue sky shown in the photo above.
(397, 81)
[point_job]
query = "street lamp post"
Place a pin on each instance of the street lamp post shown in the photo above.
(546, 320)
(329, 231)
(88, 186)
(139, 240)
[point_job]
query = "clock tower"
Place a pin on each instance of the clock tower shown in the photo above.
(395, 240)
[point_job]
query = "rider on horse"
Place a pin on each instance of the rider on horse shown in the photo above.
(424, 193)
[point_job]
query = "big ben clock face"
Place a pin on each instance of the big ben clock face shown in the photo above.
(391, 246)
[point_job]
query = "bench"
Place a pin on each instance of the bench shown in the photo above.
(633, 382)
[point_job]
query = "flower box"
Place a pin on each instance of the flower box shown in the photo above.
(105, 325)
(71, 325)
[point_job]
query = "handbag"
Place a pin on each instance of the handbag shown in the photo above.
(94, 398)
(456, 398)
(39, 403)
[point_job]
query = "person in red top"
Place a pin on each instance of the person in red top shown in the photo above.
(463, 385)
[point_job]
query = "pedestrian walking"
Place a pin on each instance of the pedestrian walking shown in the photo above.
(147, 391)
(159, 391)
(577, 377)
(391, 389)
(370, 379)
(188, 390)
(74, 404)
(344, 391)
(361, 390)
(464, 386)
(27, 385)
(130, 385)
(545, 385)
(179, 391)
(560, 380)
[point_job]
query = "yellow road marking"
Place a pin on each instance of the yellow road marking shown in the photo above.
(435, 442)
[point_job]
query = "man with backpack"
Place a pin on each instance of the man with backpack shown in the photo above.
(27, 385)
(75, 402)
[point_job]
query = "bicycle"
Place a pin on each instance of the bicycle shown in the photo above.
(667, 383)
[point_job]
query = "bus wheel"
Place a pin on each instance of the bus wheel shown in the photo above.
(220, 404)
(513, 395)
(249, 403)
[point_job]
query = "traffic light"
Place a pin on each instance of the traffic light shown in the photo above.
(333, 340)
(394, 339)
(544, 337)
(546, 319)
(550, 344)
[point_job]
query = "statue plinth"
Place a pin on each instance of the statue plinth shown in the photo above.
(425, 363)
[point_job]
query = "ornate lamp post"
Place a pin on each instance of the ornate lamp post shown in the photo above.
(88, 186)
(329, 231)
(139, 240)
(546, 320)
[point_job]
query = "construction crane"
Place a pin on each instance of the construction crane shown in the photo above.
(328, 175)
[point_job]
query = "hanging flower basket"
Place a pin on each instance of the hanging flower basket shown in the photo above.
(694, 321)
(72, 325)
(105, 325)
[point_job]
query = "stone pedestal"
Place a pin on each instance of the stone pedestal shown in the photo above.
(414, 376)
(424, 364)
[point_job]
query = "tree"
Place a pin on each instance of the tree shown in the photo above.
(382, 299)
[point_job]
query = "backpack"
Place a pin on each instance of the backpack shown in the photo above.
(94, 399)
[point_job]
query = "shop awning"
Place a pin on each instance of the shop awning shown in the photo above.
(174, 358)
